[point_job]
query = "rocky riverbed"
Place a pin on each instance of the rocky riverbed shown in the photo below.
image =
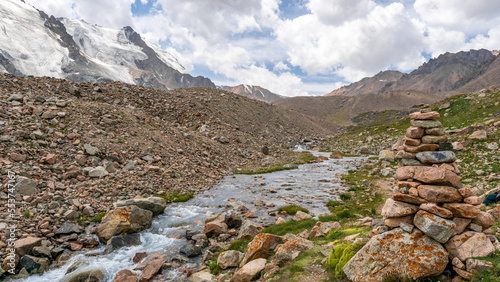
(251, 200)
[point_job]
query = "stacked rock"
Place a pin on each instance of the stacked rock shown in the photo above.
(430, 197)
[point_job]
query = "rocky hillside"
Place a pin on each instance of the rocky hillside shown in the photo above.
(254, 92)
(343, 110)
(448, 74)
(369, 85)
(34, 43)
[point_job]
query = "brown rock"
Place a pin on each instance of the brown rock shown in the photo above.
(151, 269)
(433, 139)
(249, 271)
(434, 175)
(139, 257)
(260, 247)
(484, 219)
(397, 254)
(463, 210)
(409, 184)
(123, 220)
(125, 275)
(25, 246)
(18, 157)
(421, 148)
(50, 159)
(458, 263)
(408, 199)
(291, 249)
(466, 192)
(412, 142)
(394, 222)
(437, 210)
(397, 209)
(468, 245)
(229, 258)
(429, 115)
(461, 224)
(474, 200)
(479, 135)
(323, 228)
(435, 131)
(414, 132)
(462, 273)
(439, 194)
(249, 229)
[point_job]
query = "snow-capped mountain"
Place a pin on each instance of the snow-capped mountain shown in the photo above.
(254, 92)
(32, 43)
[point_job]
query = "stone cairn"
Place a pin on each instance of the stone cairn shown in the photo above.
(429, 201)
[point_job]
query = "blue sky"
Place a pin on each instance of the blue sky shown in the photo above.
(296, 47)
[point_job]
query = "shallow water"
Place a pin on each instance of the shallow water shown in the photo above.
(310, 186)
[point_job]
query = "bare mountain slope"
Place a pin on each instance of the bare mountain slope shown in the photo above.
(341, 109)
(368, 85)
(490, 77)
(254, 92)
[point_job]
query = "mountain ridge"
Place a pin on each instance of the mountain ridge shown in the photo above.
(254, 92)
(442, 76)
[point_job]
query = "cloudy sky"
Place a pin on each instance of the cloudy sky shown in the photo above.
(297, 47)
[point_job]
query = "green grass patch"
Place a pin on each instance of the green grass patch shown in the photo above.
(291, 226)
(240, 245)
(345, 196)
(97, 218)
(295, 270)
(292, 209)
(26, 214)
(175, 197)
(339, 256)
(215, 269)
(263, 170)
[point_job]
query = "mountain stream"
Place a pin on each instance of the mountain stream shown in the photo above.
(310, 186)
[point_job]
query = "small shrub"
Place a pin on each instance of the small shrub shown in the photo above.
(292, 209)
(26, 214)
(291, 226)
(345, 196)
(239, 245)
(214, 267)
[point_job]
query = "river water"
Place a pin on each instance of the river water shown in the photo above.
(310, 186)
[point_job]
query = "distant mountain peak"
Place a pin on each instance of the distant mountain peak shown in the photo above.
(254, 92)
(441, 76)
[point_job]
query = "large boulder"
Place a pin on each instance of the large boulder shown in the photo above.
(87, 275)
(229, 258)
(439, 194)
(468, 245)
(463, 210)
(429, 175)
(249, 229)
(398, 209)
(397, 254)
(34, 265)
(118, 242)
(436, 157)
(25, 246)
(436, 227)
(260, 247)
(26, 186)
(151, 269)
(215, 226)
(125, 275)
(124, 220)
(291, 249)
(154, 204)
(249, 271)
